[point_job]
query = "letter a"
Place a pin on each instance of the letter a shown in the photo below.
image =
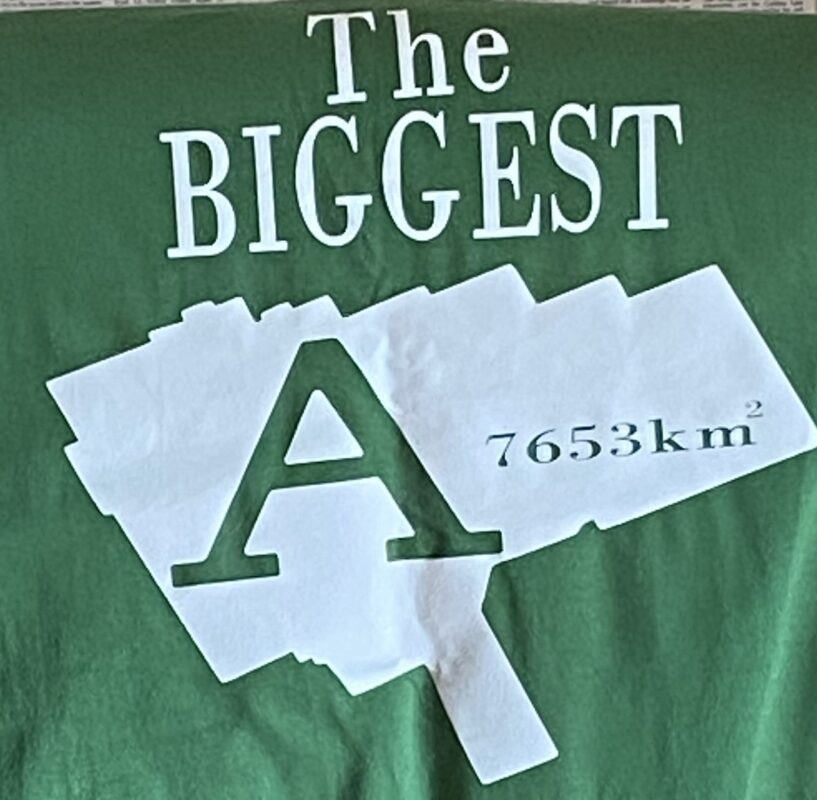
(325, 365)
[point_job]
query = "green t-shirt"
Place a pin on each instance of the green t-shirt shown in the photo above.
(408, 402)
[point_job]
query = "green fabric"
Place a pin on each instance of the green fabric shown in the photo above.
(674, 657)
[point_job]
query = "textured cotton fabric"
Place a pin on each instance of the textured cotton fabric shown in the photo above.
(672, 657)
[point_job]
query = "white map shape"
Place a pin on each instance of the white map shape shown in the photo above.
(166, 430)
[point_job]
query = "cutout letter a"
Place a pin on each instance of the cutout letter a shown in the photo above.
(325, 366)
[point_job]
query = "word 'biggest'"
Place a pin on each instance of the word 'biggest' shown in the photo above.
(495, 172)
